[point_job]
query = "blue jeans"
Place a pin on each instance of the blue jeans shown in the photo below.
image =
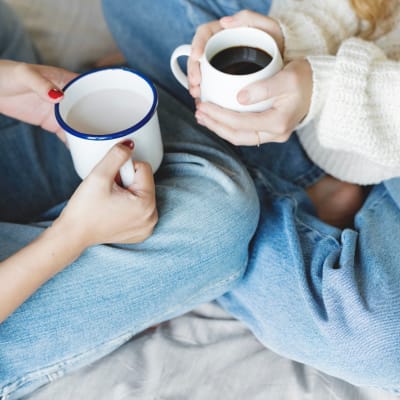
(314, 293)
(208, 212)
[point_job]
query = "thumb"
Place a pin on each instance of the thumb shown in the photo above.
(111, 163)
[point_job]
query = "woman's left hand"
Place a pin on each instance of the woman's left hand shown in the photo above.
(28, 92)
(290, 91)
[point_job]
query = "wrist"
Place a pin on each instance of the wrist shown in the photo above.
(67, 234)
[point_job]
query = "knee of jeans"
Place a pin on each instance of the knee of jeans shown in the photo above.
(222, 225)
(238, 213)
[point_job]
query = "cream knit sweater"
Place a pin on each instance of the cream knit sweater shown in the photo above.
(352, 130)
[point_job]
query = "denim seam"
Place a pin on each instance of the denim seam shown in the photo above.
(310, 177)
(54, 370)
(312, 228)
(276, 194)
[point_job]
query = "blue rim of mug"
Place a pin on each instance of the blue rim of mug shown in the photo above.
(113, 135)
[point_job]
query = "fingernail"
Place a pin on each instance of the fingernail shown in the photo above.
(55, 93)
(243, 97)
(128, 143)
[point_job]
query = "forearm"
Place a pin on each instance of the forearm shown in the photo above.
(28, 269)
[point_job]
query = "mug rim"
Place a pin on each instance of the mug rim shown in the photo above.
(114, 135)
(238, 28)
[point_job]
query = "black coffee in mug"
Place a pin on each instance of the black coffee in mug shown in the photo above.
(240, 60)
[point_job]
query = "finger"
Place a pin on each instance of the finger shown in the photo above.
(236, 137)
(242, 137)
(255, 20)
(59, 76)
(31, 78)
(195, 91)
(109, 166)
(144, 180)
(203, 33)
(194, 77)
(249, 18)
(264, 89)
(234, 119)
(272, 120)
(194, 74)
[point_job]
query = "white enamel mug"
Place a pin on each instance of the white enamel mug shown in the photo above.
(222, 88)
(103, 107)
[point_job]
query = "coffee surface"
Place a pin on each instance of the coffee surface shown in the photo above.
(240, 60)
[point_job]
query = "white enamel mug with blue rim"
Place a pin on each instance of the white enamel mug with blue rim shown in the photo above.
(88, 148)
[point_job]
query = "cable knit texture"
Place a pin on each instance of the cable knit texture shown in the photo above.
(352, 130)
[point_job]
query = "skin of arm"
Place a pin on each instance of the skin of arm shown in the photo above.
(28, 269)
(100, 211)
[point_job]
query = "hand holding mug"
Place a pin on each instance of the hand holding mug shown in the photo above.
(100, 211)
(232, 59)
(291, 90)
(270, 106)
(204, 32)
(28, 92)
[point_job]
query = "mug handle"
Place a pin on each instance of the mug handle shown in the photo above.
(127, 173)
(181, 51)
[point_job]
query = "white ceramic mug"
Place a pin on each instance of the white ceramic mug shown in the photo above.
(103, 107)
(222, 88)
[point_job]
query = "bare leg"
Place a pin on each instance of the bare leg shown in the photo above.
(336, 202)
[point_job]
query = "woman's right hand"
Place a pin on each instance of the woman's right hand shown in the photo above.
(101, 211)
(205, 31)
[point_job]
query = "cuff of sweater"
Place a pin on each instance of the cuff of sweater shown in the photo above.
(295, 40)
(323, 70)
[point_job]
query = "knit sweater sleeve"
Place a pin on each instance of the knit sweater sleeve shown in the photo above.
(352, 130)
(355, 106)
(313, 27)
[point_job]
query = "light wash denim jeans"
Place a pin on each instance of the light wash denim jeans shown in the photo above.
(208, 210)
(326, 297)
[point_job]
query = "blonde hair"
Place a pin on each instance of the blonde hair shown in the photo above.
(374, 12)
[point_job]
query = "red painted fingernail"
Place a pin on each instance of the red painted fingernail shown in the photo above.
(55, 93)
(128, 143)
